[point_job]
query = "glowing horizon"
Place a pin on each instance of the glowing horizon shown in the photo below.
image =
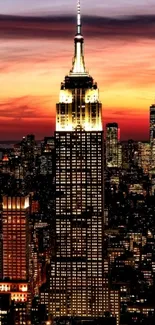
(35, 57)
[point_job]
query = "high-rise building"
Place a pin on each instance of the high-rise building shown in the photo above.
(112, 145)
(15, 237)
(28, 153)
(76, 281)
(144, 156)
(152, 123)
(129, 154)
(46, 161)
(152, 136)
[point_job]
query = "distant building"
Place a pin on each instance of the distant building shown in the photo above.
(152, 137)
(152, 123)
(144, 156)
(46, 160)
(129, 154)
(15, 237)
(112, 145)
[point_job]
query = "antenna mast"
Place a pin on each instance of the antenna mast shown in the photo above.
(78, 17)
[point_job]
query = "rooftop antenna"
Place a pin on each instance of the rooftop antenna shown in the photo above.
(78, 17)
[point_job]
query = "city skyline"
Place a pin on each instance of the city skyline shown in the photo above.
(119, 53)
(77, 209)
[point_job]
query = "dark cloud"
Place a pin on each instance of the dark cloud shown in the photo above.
(64, 26)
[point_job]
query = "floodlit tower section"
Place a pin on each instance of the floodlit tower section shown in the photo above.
(79, 106)
(76, 281)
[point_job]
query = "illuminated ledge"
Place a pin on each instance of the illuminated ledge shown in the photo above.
(17, 290)
(68, 128)
(78, 74)
(11, 286)
(79, 320)
(15, 202)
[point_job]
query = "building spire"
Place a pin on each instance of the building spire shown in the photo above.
(78, 61)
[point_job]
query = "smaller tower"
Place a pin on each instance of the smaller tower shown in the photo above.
(112, 145)
(152, 137)
(152, 123)
(15, 237)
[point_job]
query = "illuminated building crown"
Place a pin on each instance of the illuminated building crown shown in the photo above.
(79, 107)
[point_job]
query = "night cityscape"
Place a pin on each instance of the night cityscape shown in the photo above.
(77, 208)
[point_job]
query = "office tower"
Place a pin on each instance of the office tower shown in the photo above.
(15, 237)
(46, 161)
(144, 156)
(28, 152)
(129, 154)
(76, 280)
(152, 136)
(152, 123)
(112, 145)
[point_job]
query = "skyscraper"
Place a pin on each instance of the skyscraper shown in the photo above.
(152, 122)
(15, 238)
(152, 136)
(112, 145)
(144, 156)
(76, 281)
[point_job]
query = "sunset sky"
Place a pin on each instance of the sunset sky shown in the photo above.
(36, 53)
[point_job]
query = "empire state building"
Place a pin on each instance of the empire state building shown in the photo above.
(76, 281)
